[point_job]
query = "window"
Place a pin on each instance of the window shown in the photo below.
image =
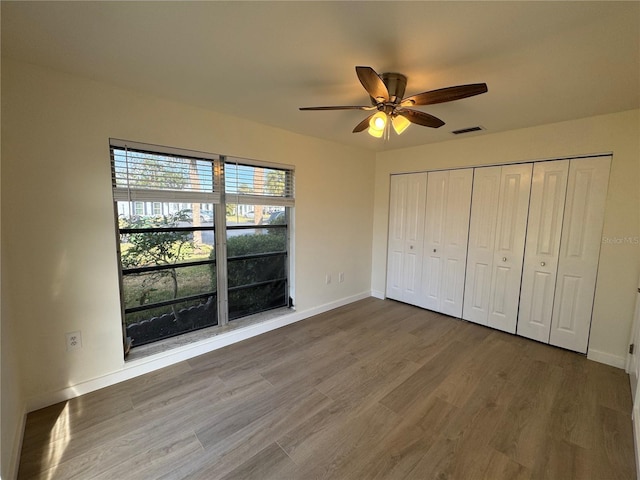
(257, 231)
(203, 239)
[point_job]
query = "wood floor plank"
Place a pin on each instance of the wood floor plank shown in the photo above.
(269, 464)
(375, 389)
(574, 408)
(341, 450)
(501, 466)
(522, 432)
(493, 358)
(396, 453)
(427, 378)
(613, 445)
(561, 459)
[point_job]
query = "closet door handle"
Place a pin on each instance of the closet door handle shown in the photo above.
(410, 247)
(504, 259)
(434, 250)
(542, 264)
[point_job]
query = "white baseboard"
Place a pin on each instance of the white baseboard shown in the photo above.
(378, 294)
(14, 459)
(134, 368)
(607, 359)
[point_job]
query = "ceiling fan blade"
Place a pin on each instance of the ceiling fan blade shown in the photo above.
(345, 107)
(448, 94)
(421, 118)
(373, 84)
(363, 125)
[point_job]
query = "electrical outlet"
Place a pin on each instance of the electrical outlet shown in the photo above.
(74, 341)
(341, 277)
(327, 279)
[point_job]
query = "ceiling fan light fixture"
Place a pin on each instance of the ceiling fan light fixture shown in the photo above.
(377, 124)
(400, 123)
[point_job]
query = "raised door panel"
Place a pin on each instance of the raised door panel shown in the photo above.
(482, 228)
(437, 187)
(456, 240)
(579, 253)
(511, 227)
(546, 209)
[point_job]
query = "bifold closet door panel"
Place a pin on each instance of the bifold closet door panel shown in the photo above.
(482, 233)
(579, 252)
(432, 260)
(406, 229)
(445, 240)
(395, 254)
(511, 228)
(546, 212)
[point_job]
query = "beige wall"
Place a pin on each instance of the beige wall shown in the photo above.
(57, 213)
(619, 266)
(12, 400)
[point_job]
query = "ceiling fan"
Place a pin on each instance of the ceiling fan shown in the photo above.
(387, 91)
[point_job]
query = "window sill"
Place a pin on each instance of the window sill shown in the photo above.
(162, 346)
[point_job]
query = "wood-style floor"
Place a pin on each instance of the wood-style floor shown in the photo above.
(373, 390)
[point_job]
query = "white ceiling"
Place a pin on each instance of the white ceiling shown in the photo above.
(543, 62)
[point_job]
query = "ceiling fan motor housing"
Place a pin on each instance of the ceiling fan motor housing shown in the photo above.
(396, 84)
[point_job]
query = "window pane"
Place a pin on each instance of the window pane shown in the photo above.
(163, 285)
(258, 298)
(167, 321)
(257, 261)
(157, 244)
(170, 239)
(243, 214)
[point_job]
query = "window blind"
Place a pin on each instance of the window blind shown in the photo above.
(147, 173)
(258, 183)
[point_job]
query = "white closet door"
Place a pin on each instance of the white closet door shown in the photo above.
(546, 208)
(395, 255)
(456, 239)
(406, 228)
(432, 266)
(508, 257)
(579, 253)
(445, 240)
(633, 362)
(482, 231)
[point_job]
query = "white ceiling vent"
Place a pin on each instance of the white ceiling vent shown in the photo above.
(467, 130)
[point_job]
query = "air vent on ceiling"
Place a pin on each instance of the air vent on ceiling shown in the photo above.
(467, 130)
